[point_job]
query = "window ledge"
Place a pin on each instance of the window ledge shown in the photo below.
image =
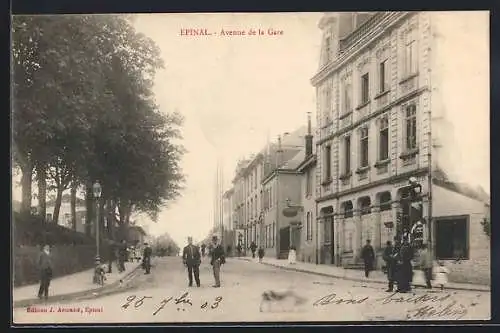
(408, 78)
(328, 124)
(362, 169)
(345, 114)
(345, 175)
(362, 105)
(327, 181)
(408, 154)
(383, 93)
(381, 163)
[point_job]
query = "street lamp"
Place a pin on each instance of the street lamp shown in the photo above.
(97, 195)
(414, 192)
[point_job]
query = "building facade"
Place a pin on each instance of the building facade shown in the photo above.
(379, 93)
(250, 195)
(308, 248)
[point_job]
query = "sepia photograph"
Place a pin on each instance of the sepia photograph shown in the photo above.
(250, 167)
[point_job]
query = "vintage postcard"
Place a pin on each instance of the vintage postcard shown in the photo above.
(259, 167)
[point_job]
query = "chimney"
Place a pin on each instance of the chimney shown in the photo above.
(309, 137)
(279, 153)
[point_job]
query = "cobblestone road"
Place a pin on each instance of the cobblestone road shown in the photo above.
(168, 299)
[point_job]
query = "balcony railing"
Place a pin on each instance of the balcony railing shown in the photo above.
(361, 31)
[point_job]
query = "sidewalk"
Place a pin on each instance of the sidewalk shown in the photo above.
(71, 285)
(349, 274)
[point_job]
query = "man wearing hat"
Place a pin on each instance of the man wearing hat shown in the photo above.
(192, 258)
(218, 259)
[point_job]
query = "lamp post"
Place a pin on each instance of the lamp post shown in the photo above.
(414, 192)
(97, 195)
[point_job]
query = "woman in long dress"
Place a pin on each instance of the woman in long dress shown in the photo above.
(292, 255)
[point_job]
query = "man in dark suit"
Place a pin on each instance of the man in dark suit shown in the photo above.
(218, 259)
(45, 269)
(368, 255)
(192, 258)
(146, 258)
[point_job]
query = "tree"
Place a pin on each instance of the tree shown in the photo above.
(84, 111)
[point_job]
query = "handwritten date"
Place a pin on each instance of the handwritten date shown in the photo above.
(184, 299)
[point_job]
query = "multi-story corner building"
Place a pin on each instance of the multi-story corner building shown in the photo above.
(383, 114)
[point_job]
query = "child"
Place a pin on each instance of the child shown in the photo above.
(441, 275)
(261, 254)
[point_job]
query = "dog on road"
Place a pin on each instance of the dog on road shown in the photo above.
(285, 301)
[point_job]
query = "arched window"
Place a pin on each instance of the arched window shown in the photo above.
(385, 201)
(365, 205)
(348, 209)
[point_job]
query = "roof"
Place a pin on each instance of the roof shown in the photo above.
(295, 161)
(308, 163)
(440, 178)
(138, 228)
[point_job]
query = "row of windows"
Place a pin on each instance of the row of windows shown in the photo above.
(409, 67)
(251, 235)
(409, 138)
(364, 204)
(270, 235)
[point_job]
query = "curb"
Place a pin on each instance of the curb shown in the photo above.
(62, 297)
(356, 279)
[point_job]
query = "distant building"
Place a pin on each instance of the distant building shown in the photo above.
(136, 235)
(65, 213)
(249, 193)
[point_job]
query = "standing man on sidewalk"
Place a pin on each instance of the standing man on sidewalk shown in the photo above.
(218, 259)
(45, 268)
(390, 265)
(122, 256)
(253, 248)
(146, 258)
(368, 255)
(192, 259)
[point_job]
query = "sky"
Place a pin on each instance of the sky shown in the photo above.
(235, 92)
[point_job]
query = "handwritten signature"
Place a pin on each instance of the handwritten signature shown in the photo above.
(184, 299)
(333, 299)
(428, 311)
(413, 299)
(427, 305)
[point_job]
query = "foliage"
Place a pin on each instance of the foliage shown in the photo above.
(84, 108)
(486, 223)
